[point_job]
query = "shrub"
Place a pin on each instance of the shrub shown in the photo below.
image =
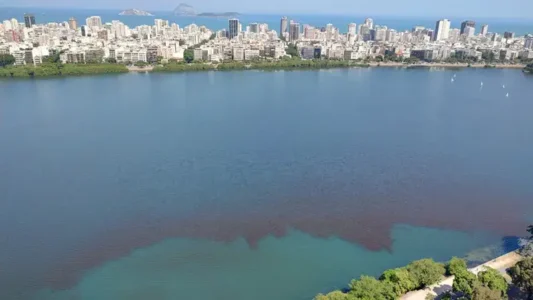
(400, 279)
(455, 266)
(369, 288)
(425, 272)
(493, 280)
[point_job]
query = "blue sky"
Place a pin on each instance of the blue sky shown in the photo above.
(432, 8)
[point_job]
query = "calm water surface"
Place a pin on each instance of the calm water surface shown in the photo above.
(255, 185)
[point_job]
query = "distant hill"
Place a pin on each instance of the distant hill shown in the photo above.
(134, 12)
(184, 10)
(228, 14)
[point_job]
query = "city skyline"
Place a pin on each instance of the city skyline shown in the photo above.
(413, 8)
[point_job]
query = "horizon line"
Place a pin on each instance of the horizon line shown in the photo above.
(288, 13)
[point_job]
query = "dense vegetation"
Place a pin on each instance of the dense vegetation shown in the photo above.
(284, 64)
(488, 284)
(392, 283)
(6, 60)
(58, 69)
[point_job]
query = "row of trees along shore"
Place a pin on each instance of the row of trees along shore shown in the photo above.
(488, 284)
(53, 67)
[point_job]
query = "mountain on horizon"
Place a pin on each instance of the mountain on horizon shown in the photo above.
(184, 9)
(187, 10)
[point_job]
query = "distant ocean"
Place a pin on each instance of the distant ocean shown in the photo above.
(43, 15)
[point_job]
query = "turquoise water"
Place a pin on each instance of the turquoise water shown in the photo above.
(519, 26)
(293, 267)
(288, 183)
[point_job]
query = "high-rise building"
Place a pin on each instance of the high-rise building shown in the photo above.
(283, 26)
(29, 20)
(160, 25)
(508, 35)
(72, 23)
(352, 28)
(14, 24)
(309, 32)
(484, 30)
(369, 23)
(83, 30)
(94, 21)
(254, 27)
(294, 31)
(233, 28)
(528, 42)
(442, 30)
(469, 31)
(467, 24)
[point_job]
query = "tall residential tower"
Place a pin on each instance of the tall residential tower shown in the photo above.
(442, 30)
(283, 26)
(233, 28)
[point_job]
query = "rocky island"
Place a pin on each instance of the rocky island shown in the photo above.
(187, 10)
(135, 12)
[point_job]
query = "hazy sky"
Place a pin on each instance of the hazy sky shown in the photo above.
(433, 8)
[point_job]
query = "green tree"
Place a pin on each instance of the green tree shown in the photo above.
(111, 60)
(400, 279)
(188, 55)
(335, 295)
(425, 272)
(484, 293)
(493, 280)
(522, 275)
(6, 60)
(455, 265)
(292, 50)
(369, 288)
(140, 64)
(465, 282)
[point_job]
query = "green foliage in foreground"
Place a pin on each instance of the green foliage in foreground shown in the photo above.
(48, 70)
(522, 275)
(393, 283)
(455, 266)
(6, 60)
(369, 288)
(284, 64)
(425, 272)
(492, 279)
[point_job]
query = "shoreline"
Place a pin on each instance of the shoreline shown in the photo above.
(448, 65)
(199, 67)
(501, 263)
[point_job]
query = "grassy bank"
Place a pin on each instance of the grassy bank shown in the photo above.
(259, 65)
(53, 69)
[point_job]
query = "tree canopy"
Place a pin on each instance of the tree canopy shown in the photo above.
(425, 272)
(455, 266)
(400, 279)
(493, 280)
(6, 60)
(522, 275)
(369, 288)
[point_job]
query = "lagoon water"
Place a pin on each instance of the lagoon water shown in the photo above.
(255, 185)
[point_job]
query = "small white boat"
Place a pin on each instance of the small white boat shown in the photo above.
(454, 75)
(451, 80)
(482, 83)
(507, 95)
(503, 86)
